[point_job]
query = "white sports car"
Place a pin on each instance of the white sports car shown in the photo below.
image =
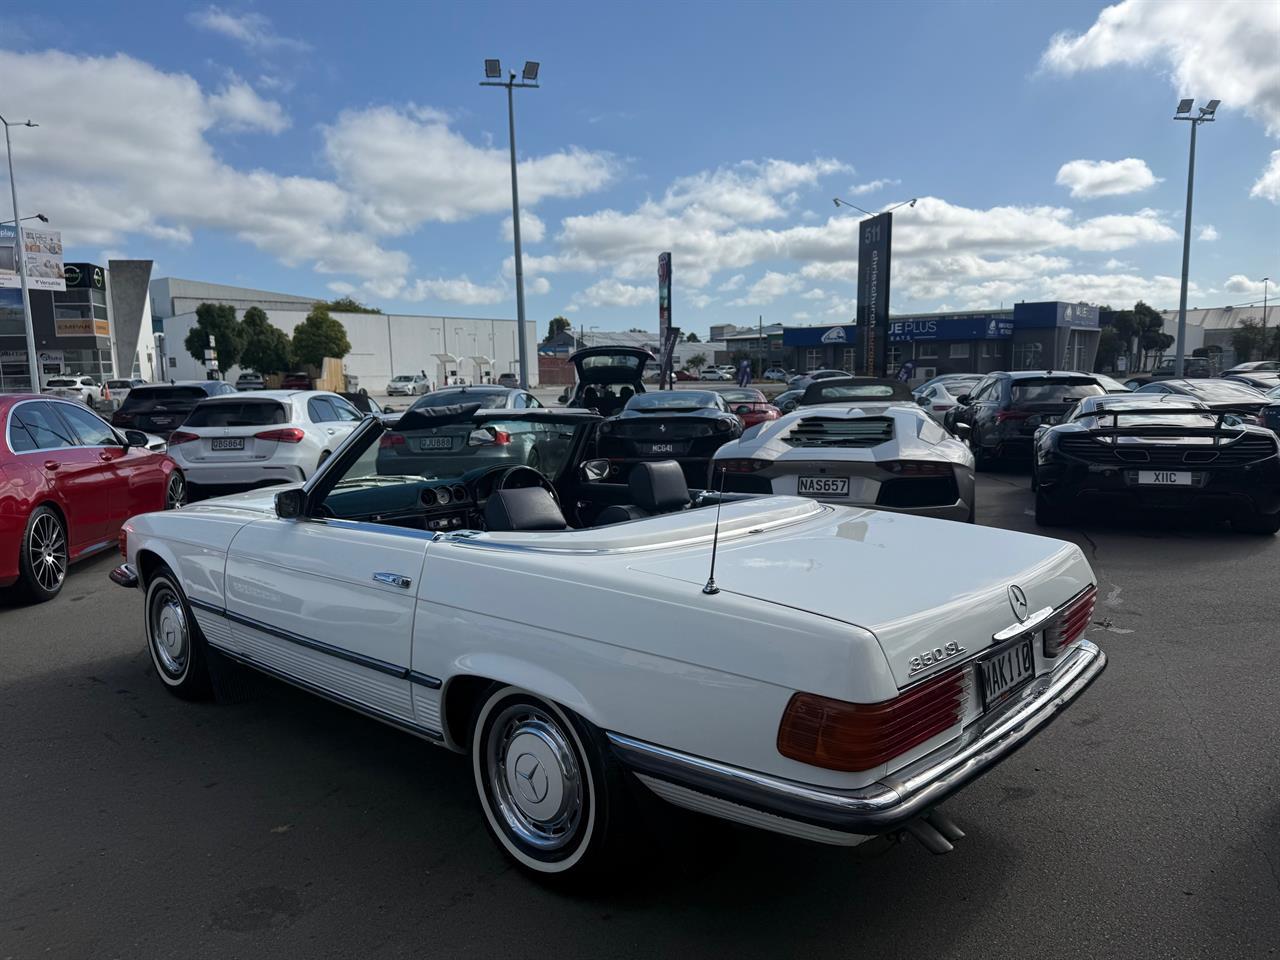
(870, 451)
(813, 683)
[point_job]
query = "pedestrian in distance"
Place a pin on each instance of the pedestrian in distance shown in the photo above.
(744, 373)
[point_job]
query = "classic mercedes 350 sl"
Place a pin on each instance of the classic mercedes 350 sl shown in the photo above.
(771, 660)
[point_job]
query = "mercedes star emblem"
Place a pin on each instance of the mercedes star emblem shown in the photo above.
(1018, 600)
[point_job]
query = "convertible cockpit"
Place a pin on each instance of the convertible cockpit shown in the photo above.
(467, 468)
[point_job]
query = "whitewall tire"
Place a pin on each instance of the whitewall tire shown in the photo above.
(173, 639)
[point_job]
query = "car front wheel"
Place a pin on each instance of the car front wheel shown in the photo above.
(551, 792)
(42, 557)
(174, 640)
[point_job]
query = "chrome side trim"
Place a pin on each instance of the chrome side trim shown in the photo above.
(394, 580)
(124, 575)
(894, 799)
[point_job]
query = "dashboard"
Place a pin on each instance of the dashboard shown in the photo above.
(456, 503)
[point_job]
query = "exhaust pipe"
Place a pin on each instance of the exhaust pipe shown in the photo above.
(936, 832)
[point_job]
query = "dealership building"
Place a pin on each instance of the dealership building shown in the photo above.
(477, 349)
(95, 326)
(1028, 336)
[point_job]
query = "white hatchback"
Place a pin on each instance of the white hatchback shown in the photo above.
(259, 438)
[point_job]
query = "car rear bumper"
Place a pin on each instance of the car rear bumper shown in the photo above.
(240, 474)
(1223, 492)
(840, 816)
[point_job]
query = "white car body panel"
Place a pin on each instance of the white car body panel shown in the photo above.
(610, 622)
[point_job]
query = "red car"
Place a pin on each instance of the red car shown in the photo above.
(296, 381)
(68, 482)
(750, 405)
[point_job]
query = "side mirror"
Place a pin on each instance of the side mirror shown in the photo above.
(742, 410)
(481, 438)
(595, 470)
(563, 398)
(922, 400)
(964, 399)
(961, 430)
(135, 438)
(290, 503)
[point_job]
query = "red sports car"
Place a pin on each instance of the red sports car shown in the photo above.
(68, 482)
(750, 405)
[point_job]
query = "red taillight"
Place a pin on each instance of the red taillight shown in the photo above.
(739, 466)
(181, 436)
(916, 468)
(861, 736)
(123, 540)
(1006, 415)
(1069, 625)
(283, 435)
(501, 437)
(391, 440)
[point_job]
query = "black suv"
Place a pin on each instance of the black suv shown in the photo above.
(999, 416)
(161, 408)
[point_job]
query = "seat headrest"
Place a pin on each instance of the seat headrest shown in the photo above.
(659, 486)
(526, 508)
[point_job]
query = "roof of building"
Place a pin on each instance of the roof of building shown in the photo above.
(1225, 318)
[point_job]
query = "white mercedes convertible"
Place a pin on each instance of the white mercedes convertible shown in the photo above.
(775, 661)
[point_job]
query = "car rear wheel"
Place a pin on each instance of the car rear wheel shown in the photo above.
(981, 461)
(177, 647)
(175, 495)
(42, 557)
(551, 792)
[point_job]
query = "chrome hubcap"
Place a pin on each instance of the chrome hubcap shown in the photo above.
(47, 552)
(169, 633)
(177, 495)
(535, 778)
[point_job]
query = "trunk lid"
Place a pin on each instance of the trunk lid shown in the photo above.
(879, 571)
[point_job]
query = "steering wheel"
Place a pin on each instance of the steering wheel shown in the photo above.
(506, 482)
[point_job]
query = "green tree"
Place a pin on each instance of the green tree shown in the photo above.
(347, 305)
(557, 326)
(696, 362)
(692, 337)
(266, 347)
(319, 336)
(1110, 346)
(1249, 339)
(1150, 329)
(217, 320)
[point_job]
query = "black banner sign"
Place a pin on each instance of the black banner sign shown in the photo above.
(874, 242)
(664, 318)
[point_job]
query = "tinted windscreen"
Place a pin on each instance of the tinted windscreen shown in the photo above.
(445, 398)
(238, 413)
(625, 360)
(1054, 391)
(672, 400)
(172, 397)
(1221, 391)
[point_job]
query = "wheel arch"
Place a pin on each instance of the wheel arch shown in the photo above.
(151, 557)
(463, 692)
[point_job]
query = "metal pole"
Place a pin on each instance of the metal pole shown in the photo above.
(1186, 258)
(1265, 281)
(33, 365)
(515, 230)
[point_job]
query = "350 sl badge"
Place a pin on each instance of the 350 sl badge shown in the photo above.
(929, 658)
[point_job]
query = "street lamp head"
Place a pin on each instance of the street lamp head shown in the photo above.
(836, 201)
(912, 204)
(42, 218)
(1184, 107)
(492, 69)
(530, 70)
(1210, 109)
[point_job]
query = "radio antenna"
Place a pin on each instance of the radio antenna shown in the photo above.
(711, 587)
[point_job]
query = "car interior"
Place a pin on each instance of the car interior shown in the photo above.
(567, 490)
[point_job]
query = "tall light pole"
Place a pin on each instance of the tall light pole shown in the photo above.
(33, 366)
(35, 216)
(1265, 281)
(493, 71)
(1205, 116)
(845, 203)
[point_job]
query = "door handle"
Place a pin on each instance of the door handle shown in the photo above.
(394, 580)
(104, 456)
(330, 431)
(51, 464)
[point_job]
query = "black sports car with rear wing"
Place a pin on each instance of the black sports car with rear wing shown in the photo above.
(687, 426)
(1158, 452)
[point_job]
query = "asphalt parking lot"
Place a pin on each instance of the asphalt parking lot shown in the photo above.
(1146, 823)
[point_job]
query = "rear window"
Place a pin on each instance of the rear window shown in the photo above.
(145, 398)
(627, 360)
(119, 384)
(673, 400)
(1221, 391)
(1048, 390)
(238, 413)
(61, 382)
(445, 398)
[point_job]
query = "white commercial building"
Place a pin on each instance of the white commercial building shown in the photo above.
(382, 345)
(1213, 326)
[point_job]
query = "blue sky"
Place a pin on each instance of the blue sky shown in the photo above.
(333, 148)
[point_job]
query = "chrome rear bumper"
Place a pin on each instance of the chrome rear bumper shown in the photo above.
(890, 802)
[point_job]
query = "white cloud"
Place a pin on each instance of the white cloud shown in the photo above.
(1223, 49)
(1239, 283)
(1209, 233)
(1268, 184)
(538, 286)
(252, 30)
(1106, 178)
(532, 229)
(1114, 264)
(341, 288)
(871, 186)
(611, 293)
(801, 315)
(1114, 288)
(239, 107)
(407, 167)
(817, 293)
(700, 300)
(733, 283)
(769, 288)
(455, 290)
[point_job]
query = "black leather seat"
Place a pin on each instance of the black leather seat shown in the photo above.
(524, 508)
(656, 487)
